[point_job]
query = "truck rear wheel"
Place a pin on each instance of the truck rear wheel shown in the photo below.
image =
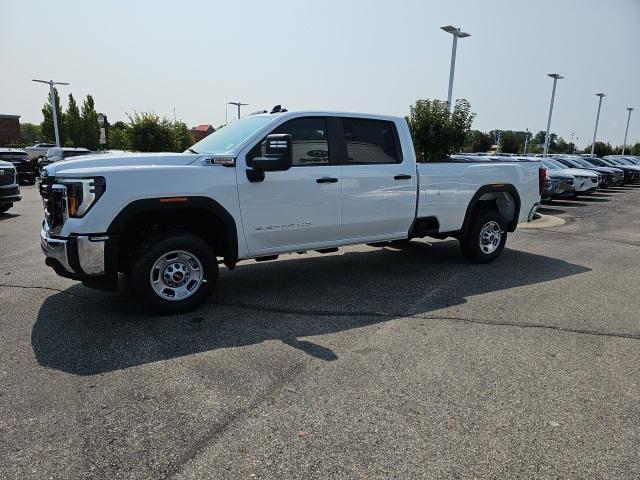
(174, 272)
(485, 237)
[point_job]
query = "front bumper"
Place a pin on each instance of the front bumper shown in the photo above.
(9, 194)
(81, 257)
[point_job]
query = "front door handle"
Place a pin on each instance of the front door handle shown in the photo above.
(403, 176)
(326, 180)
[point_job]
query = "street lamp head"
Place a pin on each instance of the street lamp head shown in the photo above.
(557, 76)
(455, 31)
(631, 109)
(600, 95)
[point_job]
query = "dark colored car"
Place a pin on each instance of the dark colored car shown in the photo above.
(25, 167)
(9, 189)
(631, 172)
(56, 154)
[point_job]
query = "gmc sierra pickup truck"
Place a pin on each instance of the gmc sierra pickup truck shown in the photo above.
(269, 184)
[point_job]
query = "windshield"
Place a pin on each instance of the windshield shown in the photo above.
(549, 164)
(583, 162)
(230, 136)
(623, 161)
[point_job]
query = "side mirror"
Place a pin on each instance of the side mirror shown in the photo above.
(278, 155)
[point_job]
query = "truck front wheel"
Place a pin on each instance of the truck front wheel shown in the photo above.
(485, 237)
(174, 272)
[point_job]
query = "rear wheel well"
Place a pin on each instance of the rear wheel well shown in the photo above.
(506, 201)
(201, 222)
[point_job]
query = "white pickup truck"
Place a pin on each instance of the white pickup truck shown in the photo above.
(266, 185)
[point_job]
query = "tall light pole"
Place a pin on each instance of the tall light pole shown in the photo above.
(52, 98)
(526, 141)
(595, 130)
(238, 104)
(624, 144)
(457, 33)
(556, 77)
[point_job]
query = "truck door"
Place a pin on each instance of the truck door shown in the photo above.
(378, 188)
(298, 208)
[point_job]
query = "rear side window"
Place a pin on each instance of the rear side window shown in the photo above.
(369, 141)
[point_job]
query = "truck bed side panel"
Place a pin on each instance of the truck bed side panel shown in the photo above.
(447, 188)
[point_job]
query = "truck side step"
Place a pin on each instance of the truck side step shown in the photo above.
(327, 250)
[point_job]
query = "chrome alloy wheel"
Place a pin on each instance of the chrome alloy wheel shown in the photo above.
(176, 275)
(490, 237)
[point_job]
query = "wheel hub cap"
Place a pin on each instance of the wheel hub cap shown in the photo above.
(490, 237)
(176, 275)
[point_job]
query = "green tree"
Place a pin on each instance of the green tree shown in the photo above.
(437, 133)
(511, 141)
(184, 139)
(119, 136)
(477, 141)
(148, 132)
(601, 149)
(633, 150)
(74, 122)
(47, 126)
(30, 132)
(90, 127)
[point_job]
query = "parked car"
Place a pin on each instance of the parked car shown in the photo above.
(266, 185)
(584, 181)
(614, 176)
(38, 150)
(23, 164)
(603, 177)
(9, 189)
(558, 185)
(56, 154)
(631, 171)
(606, 175)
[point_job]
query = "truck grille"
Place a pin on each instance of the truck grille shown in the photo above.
(54, 202)
(7, 176)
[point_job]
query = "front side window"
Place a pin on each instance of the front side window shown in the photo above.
(309, 141)
(369, 141)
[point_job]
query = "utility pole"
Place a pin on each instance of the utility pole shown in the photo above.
(624, 144)
(457, 33)
(238, 104)
(595, 130)
(555, 77)
(54, 111)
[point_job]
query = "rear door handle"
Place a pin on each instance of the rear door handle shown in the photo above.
(326, 180)
(403, 176)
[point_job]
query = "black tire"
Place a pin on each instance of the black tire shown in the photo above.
(470, 243)
(152, 250)
(5, 208)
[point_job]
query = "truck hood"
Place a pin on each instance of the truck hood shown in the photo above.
(90, 164)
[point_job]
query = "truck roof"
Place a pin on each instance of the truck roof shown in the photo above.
(330, 113)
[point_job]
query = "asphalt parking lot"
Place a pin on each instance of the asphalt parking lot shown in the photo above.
(399, 362)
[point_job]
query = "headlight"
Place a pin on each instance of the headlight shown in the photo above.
(82, 194)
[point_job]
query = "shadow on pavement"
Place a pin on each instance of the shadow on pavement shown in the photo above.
(282, 300)
(7, 216)
(549, 209)
(569, 202)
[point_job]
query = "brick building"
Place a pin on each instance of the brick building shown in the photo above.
(202, 131)
(10, 129)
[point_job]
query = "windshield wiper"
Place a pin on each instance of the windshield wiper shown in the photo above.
(193, 151)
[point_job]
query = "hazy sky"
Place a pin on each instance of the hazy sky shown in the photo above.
(371, 56)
